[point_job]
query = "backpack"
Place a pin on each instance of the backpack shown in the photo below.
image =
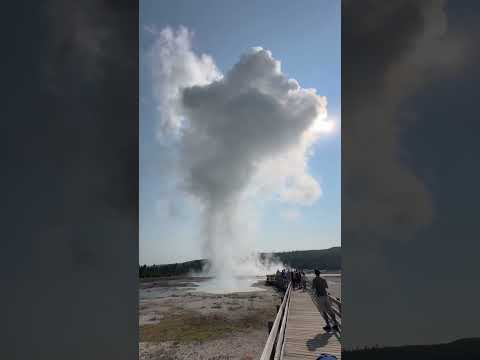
(327, 357)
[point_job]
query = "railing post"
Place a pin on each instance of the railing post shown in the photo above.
(274, 328)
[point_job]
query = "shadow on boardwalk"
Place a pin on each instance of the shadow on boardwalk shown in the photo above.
(319, 341)
(304, 338)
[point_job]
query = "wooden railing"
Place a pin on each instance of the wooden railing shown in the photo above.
(274, 346)
(279, 281)
(271, 280)
(336, 307)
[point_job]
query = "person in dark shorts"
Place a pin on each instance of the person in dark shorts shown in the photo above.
(319, 285)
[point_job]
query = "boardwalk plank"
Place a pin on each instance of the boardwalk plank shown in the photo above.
(304, 336)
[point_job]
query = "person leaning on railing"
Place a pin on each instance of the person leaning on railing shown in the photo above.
(319, 285)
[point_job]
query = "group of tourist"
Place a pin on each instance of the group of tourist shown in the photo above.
(296, 277)
(319, 286)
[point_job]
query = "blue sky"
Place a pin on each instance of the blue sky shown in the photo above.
(305, 37)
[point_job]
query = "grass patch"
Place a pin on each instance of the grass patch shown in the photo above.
(192, 327)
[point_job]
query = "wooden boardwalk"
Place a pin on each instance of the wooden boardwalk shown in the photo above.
(304, 337)
(297, 332)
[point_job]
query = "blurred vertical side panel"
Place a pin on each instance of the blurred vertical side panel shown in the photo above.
(69, 255)
(410, 175)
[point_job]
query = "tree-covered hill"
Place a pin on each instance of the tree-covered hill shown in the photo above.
(328, 259)
(146, 271)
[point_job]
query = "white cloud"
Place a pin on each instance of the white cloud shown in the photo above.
(175, 66)
(239, 135)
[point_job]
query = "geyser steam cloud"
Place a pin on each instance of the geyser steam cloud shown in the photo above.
(241, 137)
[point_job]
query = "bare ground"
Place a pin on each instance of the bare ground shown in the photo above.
(185, 324)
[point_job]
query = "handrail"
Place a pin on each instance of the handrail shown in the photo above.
(267, 350)
(281, 335)
(336, 301)
(275, 344)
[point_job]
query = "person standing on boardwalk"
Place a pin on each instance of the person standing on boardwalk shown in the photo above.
(304, 281)
(298, 279)
(319, 285)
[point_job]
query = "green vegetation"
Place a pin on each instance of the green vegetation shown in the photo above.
(460, 349)
(328, 259)
(146, 271)
(190, 327)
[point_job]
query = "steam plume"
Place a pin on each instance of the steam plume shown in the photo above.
(240, 136)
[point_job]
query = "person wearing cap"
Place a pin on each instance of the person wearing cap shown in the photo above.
(320, 286)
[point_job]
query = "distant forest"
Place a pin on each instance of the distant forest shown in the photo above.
(458, 350)
(328, 259)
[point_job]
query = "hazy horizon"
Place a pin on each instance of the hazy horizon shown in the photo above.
(262, 252)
